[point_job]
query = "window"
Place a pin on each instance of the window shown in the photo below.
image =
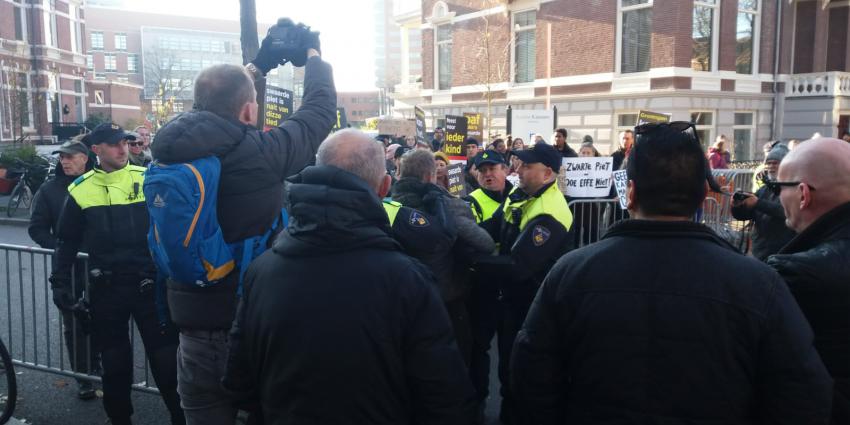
(109, 63)
(625, 121)
(20, 21)
(705, 127)
(444, 57)
(746, 32)
(120, 41)
(743, 136)
(636, 35)
(97, 40)
(132, 63)
(703, 35)
(177, 107)
(524, 46)
(90, 62)
(75, 28)
(98, 97)
(50, 36)
(23, 113)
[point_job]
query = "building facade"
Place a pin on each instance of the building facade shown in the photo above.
(359, 106)
(753, 70)
(398, 48)
(42, 67)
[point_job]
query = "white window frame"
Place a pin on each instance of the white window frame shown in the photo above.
(751, 127)
(440, 15)
(618, 51)
(106, 62)
(133, 58)
(715, 32)
(514, 31)
(120, 41)
(21, 10)
(99, 98)
(94, 45)
(437, 56)
(29, 94)
(51, 38)
(712, 128)
(756, 34)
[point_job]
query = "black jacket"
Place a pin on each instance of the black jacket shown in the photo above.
(770, 233)
(47, 207)
(816, 265)
(664, 322)
(450, 263)
(338, 326)
(253, 167)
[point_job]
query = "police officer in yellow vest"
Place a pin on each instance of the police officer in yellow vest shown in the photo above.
(494, 186)
(534, 225)
(105, 211)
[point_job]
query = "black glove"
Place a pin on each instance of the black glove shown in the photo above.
(273, 50)
(311, 41)
(63, 296)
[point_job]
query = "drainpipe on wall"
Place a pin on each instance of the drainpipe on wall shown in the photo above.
(776, 41)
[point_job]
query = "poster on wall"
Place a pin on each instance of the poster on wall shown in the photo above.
(456, 132)
(526, 123)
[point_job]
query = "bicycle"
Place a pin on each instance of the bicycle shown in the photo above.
(8, 385)
(22, 194)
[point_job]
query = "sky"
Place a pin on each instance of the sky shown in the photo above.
(346, 26)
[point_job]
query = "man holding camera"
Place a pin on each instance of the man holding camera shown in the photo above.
(769, 231)
(254, 165)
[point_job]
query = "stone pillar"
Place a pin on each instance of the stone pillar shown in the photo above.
(821, 35)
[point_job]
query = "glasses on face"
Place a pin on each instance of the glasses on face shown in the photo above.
(776, 187)
(136, 144)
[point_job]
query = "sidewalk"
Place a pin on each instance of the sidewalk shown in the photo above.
(21, 217)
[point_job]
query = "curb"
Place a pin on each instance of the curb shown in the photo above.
(6, 221)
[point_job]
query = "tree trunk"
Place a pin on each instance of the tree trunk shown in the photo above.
(250, 47)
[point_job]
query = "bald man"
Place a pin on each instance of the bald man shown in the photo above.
(336, 324)
(814, 188)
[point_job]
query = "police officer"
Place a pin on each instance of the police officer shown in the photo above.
(106, 213)
(533, 232)
(47, 207)
(484, 306)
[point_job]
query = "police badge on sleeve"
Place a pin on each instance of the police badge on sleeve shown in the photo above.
(540, 235)
(418, 220)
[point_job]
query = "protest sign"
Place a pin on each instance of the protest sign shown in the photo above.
(455, 135)
(621, 180)
(473, 126)
(420, 123)
(645, 117)
(588, 177)
(527, 123)
(341, 120)
(396, 126)
(457, 186)
(277, 106)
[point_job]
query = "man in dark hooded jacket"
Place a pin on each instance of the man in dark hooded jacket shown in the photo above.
(662, 321)
(814, 189)
(254, 165)
(337, 325)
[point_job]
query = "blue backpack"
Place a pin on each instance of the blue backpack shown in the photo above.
(185, 239)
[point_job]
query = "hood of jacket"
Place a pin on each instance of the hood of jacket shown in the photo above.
(666, 229)
(196, 134)
(414, 193)
(332, 210)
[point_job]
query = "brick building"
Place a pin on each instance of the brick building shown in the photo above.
(42, 67)
(359, 106)
(720, 63)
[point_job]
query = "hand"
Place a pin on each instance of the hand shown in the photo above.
(312, 43)
(749, 202)
(270, 55)
(63, 296)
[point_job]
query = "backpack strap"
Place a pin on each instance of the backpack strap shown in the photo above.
(251, 248)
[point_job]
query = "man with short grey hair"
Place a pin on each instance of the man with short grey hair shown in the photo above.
(814, 188)
(336, 324)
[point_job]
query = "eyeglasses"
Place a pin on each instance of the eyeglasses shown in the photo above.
(776, 187)
(136, 144)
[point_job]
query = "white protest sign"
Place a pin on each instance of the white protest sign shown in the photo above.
(526, 123)
(621, 180)
(588, 177)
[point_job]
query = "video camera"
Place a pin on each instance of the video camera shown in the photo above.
(291, 41)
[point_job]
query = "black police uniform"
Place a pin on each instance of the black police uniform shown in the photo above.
(106, 213)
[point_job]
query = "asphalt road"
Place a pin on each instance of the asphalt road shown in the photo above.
(33, 335)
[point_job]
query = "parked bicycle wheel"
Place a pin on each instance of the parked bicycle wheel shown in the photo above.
(21, 197)
(8, 386)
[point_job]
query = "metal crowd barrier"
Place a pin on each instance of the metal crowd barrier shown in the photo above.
(32, 326)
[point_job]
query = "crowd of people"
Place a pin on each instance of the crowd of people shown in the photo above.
(374, 295)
